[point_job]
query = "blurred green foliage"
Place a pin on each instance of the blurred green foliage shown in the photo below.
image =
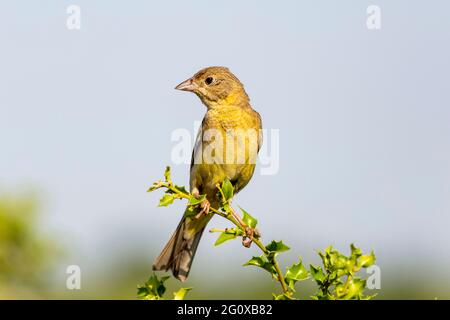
(25, 254)
(154, 289)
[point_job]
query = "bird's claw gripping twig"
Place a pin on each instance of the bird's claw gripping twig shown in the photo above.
(249, 235)
(204, 209)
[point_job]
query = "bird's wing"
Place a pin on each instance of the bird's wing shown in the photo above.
(196, 158)
(196, 152)
(260, 134)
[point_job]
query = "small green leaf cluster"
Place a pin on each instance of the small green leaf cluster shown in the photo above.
(266, 261)
(174, 192)
(295, 273)
(337, 280)
(154, 289)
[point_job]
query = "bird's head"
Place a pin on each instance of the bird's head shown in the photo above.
(217, 87)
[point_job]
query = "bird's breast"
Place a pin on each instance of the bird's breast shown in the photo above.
(227, 148)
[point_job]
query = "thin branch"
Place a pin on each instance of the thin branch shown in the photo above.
(234, 218)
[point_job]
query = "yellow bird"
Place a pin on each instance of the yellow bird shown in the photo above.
(226, 147)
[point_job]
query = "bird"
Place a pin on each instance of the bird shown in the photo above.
(237, 131)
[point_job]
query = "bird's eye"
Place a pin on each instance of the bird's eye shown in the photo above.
(209, 80)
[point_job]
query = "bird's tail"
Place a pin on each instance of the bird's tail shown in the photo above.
(179, 252)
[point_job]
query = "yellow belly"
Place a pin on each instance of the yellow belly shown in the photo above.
(234, 157)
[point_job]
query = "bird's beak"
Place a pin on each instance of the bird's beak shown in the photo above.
(187, 85)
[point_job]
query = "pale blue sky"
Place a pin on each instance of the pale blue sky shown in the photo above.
(86, 118)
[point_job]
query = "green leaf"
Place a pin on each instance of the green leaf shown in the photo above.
(323, 296)
(160, 285)
(356, 252)
(195, 201)
(224, 236)
(227, 189)
(297, 272)
(281, 297)
(370, 296)
(180, 294)
(340, 262)
(277, 246)
(190, 212)
(248, 219)
(154, 187)
(142, 292)
(350, 265)
(367, 260)
(167, 174)
(261, 262)
(256, 261)
(182, 189)
(153, 289)
(355, 289)
(166, 200)
(317, 274)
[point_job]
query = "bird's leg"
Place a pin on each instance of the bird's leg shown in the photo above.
(204, 206)
(204, 209)
(238, 218)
